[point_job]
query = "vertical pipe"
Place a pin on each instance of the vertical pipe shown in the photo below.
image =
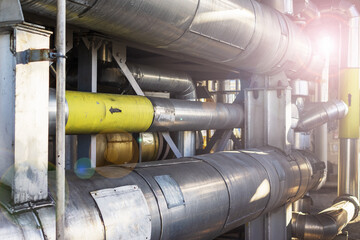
(349, 134)
(349, 92)
(60, 118)
(321, 137)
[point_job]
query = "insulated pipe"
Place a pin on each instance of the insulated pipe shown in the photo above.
(152, 79)
(328, 223)
(188, 198)
(92, 113)
(348, 176)
(178, 84)
(244, 34)
(314, 115)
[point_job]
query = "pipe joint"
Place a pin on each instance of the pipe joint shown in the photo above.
(317, 114)
(351, 199)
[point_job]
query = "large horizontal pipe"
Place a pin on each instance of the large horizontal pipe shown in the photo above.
(328, 223)
(92, 113)
(243, 34)
(187, 198)
(319, 113)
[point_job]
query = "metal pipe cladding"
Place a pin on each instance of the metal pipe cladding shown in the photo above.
(249, 36)
(199, 197)
(92, 113)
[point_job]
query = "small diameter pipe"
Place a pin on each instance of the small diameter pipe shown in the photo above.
(328, 223)
(60, 118)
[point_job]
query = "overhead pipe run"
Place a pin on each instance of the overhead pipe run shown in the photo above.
(328, 223)
(187, 198)
(244, 35)
(92, 113)
(314, 115)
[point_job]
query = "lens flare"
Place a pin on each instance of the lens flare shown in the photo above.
(83, 168)
(326, 45)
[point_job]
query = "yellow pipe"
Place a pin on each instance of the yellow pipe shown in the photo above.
(349, 93)
(91, 113)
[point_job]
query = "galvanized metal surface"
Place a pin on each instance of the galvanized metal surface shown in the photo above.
(124, 212)
(171, 190)
(221, 191)
(10, 12)
(223, 32)
(178, 115)
(268, 118)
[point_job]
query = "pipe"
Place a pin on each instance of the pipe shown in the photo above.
(348, 174)
(60, 118)
(348, 178)
(91, 113)
(244, 35)
(328, 223)
(152, 79)
(176, 83)
(187, 198)
(315, 115)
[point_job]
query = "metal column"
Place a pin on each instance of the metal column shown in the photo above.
(87, 81)
(268, 122)
(60, 118)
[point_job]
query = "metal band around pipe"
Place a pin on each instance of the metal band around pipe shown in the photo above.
(91, 113)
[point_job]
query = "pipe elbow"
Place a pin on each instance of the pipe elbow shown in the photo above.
(328, 223)
(317, 114)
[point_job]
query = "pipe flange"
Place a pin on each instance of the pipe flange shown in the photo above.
(353, 200)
